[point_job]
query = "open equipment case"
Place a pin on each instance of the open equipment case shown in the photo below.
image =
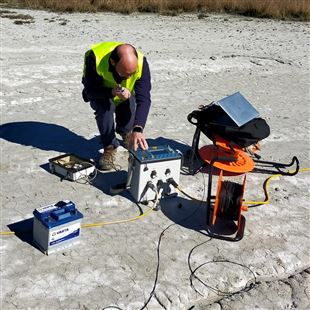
(71, 167)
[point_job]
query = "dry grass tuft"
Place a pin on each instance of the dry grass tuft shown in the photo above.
(19, 19)
(277, 9)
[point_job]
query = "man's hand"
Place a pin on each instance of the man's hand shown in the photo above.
(138, 139)
(121, 92)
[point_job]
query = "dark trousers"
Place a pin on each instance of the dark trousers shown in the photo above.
(113, 119)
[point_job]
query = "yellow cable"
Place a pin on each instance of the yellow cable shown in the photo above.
(104, 223)
(187, 195)
(266, 201)
(126, 220)
(119, 221)
(248, 202)
(266, 184)
(4, 233)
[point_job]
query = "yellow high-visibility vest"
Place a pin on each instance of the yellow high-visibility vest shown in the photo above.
(102, 53)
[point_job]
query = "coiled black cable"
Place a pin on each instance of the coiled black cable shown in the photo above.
(230, 198)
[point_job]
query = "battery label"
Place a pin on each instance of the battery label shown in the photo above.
(47, 208)
(74, 234)
(64, 233)
(50, 207)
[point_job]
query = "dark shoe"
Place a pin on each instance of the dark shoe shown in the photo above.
(126, 139)
(106, 162)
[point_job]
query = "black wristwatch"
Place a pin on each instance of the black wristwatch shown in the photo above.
(137, 129)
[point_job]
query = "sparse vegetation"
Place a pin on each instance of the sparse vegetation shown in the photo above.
(278, 9)
(12, 15)
(19, 19)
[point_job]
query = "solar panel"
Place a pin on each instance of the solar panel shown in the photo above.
(238, 108)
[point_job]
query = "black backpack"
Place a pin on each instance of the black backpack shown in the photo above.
(213, 121)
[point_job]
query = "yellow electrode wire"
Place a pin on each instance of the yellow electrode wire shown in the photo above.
(266, 201)
(187, 195)
(126, 220)
(5, 233)
(119, 221)
(266, 184)
(267, 198)
(104, 223)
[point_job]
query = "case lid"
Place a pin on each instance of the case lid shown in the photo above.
(57, 214)
(238, 108)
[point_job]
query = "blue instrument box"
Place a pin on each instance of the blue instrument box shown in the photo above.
(56, 226)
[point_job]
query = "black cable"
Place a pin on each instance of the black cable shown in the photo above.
(265, 193)
(157, 267)
(162, 233)
(159, 241)
(158, 263)
(193, 271)
(247, 287)
(189, 262)
(230, 200)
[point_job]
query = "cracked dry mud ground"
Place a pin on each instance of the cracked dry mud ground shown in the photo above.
(290, 293)
(193, 61)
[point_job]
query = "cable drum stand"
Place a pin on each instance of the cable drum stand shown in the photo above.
(229, 195)
(233, 125)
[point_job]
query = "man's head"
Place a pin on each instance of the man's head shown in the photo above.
(125, 60)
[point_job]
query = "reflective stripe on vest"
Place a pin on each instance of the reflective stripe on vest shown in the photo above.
(102, 53)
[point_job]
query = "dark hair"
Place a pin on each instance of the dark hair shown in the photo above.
(115, 56)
